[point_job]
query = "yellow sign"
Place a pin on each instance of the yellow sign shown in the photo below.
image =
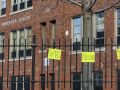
(88, 56)
(54, 54)
(118, 53)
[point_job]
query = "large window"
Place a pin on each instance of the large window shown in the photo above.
(19, 84)
(98, 80)
(118, 26)
(21, 37)
(44, 33)
(99, 30)
(118, 79)
(76, 81)
(53, 30)
(2, 40)
(76, 33)
(20, 4)
(2, 7)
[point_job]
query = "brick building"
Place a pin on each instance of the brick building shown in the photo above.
(55, 22)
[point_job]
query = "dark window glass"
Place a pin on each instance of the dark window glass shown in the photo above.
(20, 83)
(98, 81)
(27, 82)
(13, 83)
(43, 83)
(0, 83)
(77, 85)
(100, 34)
(118, 78)
(29, 3)
(52, 83)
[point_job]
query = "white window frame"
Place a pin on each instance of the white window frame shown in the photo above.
(17, 41)
(18, 6)
(53, 24)
(72, 32)
(1, 6)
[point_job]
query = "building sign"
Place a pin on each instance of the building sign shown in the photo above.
(16, 20)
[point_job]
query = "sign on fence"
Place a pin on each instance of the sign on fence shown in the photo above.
(88, 56)
(54, 54)
(118, 53)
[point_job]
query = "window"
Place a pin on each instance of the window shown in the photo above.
(98, 80)
(53, 30)
(76, 85)
(18, 38)
(20, 4)
(76, 32)
(44, 33)
(2, 38)
(52, 81)
(2, 7)
(19, 84)
(118, 26)
(1, 83)
(99, 30)
(118, 79)
(43, 83)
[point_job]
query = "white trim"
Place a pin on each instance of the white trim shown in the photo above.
(40, 51)
(74, 52)
(2, 60)
(22, 58)
(21, 10)
(3, 16)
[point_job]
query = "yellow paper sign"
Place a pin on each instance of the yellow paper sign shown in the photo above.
(54, 54)
(88, 56)
(118, 53)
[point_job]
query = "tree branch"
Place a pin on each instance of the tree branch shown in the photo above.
(91, 5)
(67, 1)
(77, 3)
(101, 10)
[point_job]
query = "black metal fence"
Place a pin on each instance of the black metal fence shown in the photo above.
(30, 69)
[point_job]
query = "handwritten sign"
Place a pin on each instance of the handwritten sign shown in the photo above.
(118, 53)
(88, 56)
(54, 54)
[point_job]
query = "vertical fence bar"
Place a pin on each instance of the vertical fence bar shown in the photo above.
(54, 48)
(19, 63)
(111, 59)
(99, 60)
(117, 64)
(105, 61)
(70, 62)
(42, 58)
(8, 64)
(24, 63)
(82, 63)
(59, 67)
(64, 63)
(76, 65)
(88, 69)
(2, 63)
(94, 51)
(13, 60)
(33, 62)
(47, 64)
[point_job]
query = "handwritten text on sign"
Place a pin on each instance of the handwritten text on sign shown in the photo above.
(88, 56)
(54, 54)
(118, 53)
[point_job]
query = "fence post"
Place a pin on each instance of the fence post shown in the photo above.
(33, 62)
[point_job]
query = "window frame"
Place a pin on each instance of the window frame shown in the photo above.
(20, 5)
(18, 42)
(72, 31)
(2, 8)
(95, 30)
(2, 42)
(16, 81)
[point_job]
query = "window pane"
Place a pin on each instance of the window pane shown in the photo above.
(118, 21)
(14, 34)
(118, 30)
(100, 17)
(77, 29)
(3, 0)
(4, 5)
(100, 34)
(20, 84)
(29, 32)
(100, 25)
(15, 1)
(77, 21)
(118, 12)
(29, 39)
(78, 37)
(22, 33)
